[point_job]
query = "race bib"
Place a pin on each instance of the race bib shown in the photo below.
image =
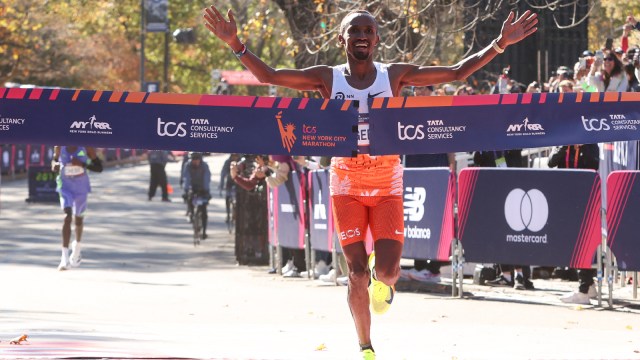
(73, 170)
(363, 129)
(501, 162)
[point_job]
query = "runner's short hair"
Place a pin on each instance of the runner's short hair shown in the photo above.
(343, 24)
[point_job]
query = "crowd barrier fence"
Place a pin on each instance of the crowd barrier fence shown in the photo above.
(531, 217)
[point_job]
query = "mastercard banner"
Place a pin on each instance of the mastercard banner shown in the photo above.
(211, 123)
(437, 124)
(529, 216)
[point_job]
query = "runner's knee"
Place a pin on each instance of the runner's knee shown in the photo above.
(67, 215)
(387, 274)
(359, 278)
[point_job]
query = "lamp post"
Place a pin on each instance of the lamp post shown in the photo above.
(142, 33)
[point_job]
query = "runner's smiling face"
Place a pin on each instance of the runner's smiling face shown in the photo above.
(359, 36)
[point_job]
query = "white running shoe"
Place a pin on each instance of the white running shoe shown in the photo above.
(406, 273)
(64, 260)
(424, 276)
(576, 298)
(593, 293)
(329, 277)
(288, 267)
(76, 254)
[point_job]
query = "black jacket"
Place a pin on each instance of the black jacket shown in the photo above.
(588, 157)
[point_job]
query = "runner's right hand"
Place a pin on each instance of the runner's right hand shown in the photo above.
(226, 31)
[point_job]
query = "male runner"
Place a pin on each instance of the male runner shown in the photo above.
(366, 190)
(73, 187)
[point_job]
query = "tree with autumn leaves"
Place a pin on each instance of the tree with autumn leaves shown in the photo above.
(95, 44)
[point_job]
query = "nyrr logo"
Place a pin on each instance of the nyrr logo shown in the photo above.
(526, 210)
(410, 132)
(414, 199)
(286, 133)
(92, 123)
(595, 124)
(524, 127)
(171, 129)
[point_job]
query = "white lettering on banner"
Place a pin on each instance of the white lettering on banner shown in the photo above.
(410, 132)
(348, 234)
(6, 122)
(525, 129)
(287, 208)
(595, 124)
(417, 233)
(526, 211)
(171, 129)
(414, 203)
(90, 127)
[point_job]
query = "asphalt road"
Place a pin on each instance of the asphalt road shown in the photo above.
(144, 291)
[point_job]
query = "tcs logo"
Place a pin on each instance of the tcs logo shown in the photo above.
(410, 132)
(171, 129)
(595, 124)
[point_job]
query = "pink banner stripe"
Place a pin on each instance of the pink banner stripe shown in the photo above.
(509, 99)
(284, 103)
(476, 100)
(231, 101)
(2, 91)
(16, 93)
(446, 233)
(35, 94)
(585, 239)
(615, 191)
(265, 102)
(54, 94)
(543, 98)
(526, 98)
(468, 185)
(577, 248)
(303, 103)
(626, 185)
(302, 211)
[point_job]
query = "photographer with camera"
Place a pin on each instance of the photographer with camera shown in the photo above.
(197, 179)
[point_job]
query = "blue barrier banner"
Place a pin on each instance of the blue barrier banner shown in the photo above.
(623, 218)
(211, 123)
(321, 230)
(437, 124)
(286, 214)
(428, 213)
(529, 216)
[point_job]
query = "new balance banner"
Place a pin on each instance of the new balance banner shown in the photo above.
(286, 213)
(435, 124)
(428, 213)
(623, 218)
(321, 230)
(212, 123)
(529, 216)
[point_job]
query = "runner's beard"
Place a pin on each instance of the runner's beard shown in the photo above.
(361, 56)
